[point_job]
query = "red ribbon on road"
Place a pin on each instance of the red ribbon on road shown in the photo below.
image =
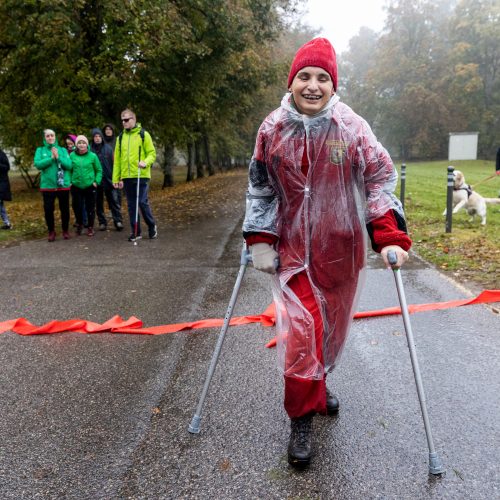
(134, 325)
(485, 297)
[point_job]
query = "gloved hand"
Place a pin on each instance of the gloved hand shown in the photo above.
(264, 257)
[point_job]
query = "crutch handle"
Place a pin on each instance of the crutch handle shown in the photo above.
(392, 257)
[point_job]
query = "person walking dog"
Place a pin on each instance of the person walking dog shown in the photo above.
(318, 182)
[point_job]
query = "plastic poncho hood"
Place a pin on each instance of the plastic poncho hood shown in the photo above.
(320, 219)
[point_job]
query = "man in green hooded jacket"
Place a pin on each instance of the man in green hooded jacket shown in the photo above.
(55, 181)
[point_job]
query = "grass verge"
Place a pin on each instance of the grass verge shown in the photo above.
(471, 252)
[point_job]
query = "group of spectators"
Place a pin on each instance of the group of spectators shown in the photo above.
(90, 172)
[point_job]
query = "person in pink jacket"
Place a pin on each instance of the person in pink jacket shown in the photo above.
(319, 182)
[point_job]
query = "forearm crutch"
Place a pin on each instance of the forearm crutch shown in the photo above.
(194, 427)
(435, 464)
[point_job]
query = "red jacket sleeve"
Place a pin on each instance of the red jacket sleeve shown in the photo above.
(254, 238)
(386, 230)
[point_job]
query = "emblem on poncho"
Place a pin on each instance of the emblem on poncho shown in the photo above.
(337, 150)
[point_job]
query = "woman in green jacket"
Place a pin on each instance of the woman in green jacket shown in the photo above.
(55, 181)
(87, 175)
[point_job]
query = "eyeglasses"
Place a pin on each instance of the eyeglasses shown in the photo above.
(125, 120)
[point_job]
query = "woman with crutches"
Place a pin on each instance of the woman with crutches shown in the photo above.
(317, 179)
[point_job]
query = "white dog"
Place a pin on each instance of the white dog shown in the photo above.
(468, 199)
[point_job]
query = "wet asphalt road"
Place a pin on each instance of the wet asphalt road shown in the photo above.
(106, 416)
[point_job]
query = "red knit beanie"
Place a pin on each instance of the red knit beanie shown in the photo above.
(318, 52)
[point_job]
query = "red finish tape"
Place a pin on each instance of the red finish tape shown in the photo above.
(134, 325)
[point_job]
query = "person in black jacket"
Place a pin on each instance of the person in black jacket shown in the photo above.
(113, 196)
(109, 135)
(5, 193)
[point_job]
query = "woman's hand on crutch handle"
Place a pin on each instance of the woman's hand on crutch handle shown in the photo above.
(394, 256)
(264, 258)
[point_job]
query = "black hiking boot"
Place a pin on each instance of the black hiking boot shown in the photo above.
(332, 403)
(299, 447)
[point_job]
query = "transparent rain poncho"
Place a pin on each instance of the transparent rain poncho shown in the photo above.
(320, 220)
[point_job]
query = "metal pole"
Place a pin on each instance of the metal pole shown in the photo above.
(403, 184)
(194, 427)
(435, 464)
(136, 223)
(449, 199)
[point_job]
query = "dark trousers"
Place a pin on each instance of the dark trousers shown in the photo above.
(49, 199)
(130, 187)
(79, 209)
(84, 201)
(114, 199)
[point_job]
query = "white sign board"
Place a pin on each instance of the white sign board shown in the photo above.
(463, 146)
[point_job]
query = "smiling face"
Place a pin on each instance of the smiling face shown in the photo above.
(82, 147)
(50, 137)
(311, 88)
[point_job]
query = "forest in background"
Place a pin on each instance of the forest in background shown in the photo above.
(202, 74)
(434, 69)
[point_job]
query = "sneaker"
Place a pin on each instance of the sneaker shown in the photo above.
(332, 403)
(300, 445)
(90, 231)
(119, 226)
(102, 227)
(153, 233)
(78, 230)
(132, 237)
(52, 236)
(66, 235)
(7, 226)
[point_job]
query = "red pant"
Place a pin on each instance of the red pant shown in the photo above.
(304, 396)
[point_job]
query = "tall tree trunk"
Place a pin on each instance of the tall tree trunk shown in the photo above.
(199, 162)
(208, 157)
(168, 161)
(190, 163)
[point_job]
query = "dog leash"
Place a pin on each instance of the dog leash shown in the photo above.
(484, 180)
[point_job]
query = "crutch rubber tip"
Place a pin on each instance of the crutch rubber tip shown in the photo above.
(435, 465)
(194, 426)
